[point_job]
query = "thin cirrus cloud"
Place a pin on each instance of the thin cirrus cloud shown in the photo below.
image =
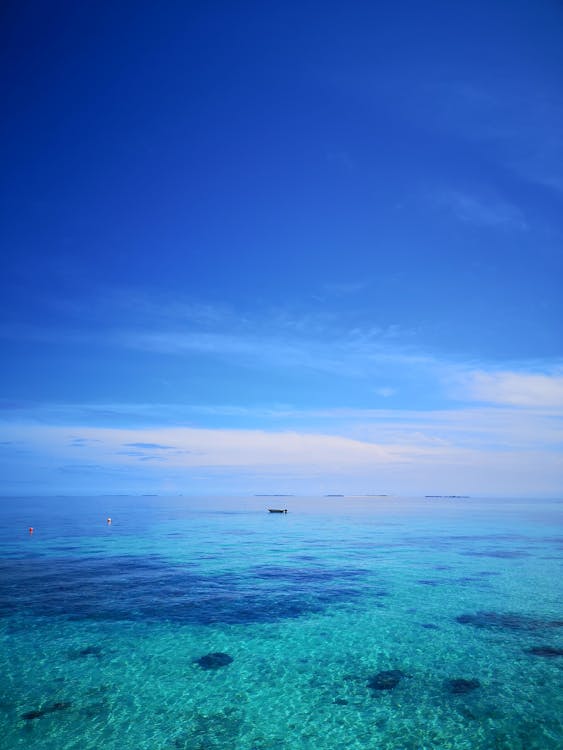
(488, 428)
(480, 210)
(386, 391)
(150, 446)
(516, 389)
(345, 355)
(493, 423)
(525, 118)
(318, 339)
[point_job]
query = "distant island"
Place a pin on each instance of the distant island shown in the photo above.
(449, 497)
(334, 495)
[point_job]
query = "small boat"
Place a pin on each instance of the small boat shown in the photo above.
(277, 510)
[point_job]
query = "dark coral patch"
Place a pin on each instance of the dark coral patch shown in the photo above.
(341, 701)
(461, 686)
(386, 680)
(548, 651)
(215, 660)
(150, 588)
(60, 706)
(507, 554)
(306, 575)
(506, 621)
(87, 651)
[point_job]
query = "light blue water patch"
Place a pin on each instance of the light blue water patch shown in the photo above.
(345, 623)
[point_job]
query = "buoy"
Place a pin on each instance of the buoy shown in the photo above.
(31, 529)
(109, 521)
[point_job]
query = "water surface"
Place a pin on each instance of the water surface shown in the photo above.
(204, 623)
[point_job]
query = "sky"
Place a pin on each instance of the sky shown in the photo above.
(281, 247)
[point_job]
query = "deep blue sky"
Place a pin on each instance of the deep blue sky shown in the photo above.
(241, 216)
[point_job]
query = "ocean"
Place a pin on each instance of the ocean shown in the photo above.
(346, 624)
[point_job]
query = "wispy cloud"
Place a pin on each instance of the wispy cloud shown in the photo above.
(150, 446)
(86, 469)
(478, 413)
(516, 388)
(482, 211)
(350, 353)
(305, 461)
(524, 118)
(386, 391)
(80, 442)
(318, 340)
(506, 448)
(130, 303)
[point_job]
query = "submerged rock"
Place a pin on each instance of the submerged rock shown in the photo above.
(507, 621)
(508, 554)
(87, 651)
(179, 594)
(341, 701)
(214, 660)
(60, 706)
(461, 686)
(386, 680)
(545, 651)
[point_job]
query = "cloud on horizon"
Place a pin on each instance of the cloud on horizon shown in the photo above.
(504, 449)
(453, 417)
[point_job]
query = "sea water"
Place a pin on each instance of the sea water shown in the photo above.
(347, 623)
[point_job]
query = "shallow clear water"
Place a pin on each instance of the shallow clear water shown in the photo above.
(102, 627)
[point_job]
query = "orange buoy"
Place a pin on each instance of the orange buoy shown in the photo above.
(31, 529)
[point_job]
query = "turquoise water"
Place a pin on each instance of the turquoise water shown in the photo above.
(449, 608)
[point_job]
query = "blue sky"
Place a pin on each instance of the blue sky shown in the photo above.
(282, 247)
